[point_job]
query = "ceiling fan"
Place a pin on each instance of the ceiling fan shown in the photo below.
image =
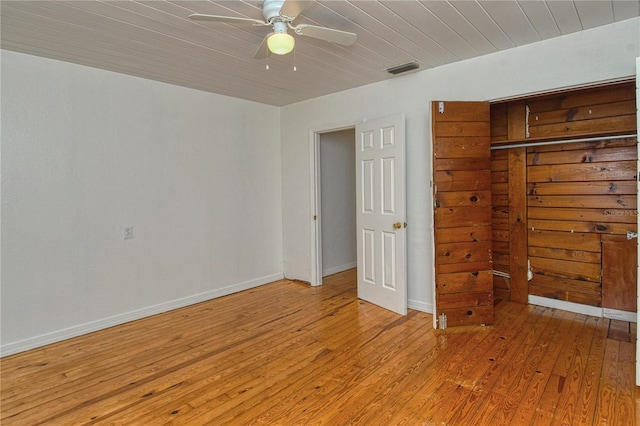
(279, 14)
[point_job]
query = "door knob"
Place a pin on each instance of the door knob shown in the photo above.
(397, 225)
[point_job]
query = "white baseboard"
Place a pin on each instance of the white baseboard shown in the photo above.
(336, 269)
(619, 315)
(593, 311)
(420, 306)
(67, 333)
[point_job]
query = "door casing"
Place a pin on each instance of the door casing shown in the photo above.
(316, 199)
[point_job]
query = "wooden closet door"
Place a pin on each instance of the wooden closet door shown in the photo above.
(462, 213)
(619, 273)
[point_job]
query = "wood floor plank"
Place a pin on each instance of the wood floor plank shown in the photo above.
(619, 330)
(225, 367)
(425, 376)
(587, 395)
(523, 367)
(265, 382)
(449, 361)
(555, 385)
(319, 390)
(605, 408)
(531, 397)
(567, 400)
(360, 389)
(482, 400)
(160, 343)
(625, 402)
(287, 353)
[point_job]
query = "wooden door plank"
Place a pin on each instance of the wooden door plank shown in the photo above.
(619, 273)
(462, 212)
(453, 235)
(459, 180)
(460, 147)
(458, 282)
(465, 217)
(463, 129)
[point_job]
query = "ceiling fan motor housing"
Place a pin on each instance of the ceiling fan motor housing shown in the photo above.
(271, 9)
(279, 27)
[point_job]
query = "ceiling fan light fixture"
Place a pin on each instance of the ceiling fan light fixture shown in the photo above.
(281, 43)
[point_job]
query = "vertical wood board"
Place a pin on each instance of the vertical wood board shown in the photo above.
(619, 273)
(518, 225)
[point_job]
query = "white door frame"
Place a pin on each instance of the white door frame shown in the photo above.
(638, 221)
(315, 202)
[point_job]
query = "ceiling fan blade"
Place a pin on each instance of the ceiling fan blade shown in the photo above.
(263, 49)
(344, 38)
(227, 19)
(293, 8)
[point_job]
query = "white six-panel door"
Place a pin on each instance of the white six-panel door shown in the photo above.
(380, 192)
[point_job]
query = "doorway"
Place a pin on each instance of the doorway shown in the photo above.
(380, 211)
(338, 201)
(334, 202)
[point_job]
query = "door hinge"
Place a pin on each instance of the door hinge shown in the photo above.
(631, 235)
(443, 321)
(441, 107)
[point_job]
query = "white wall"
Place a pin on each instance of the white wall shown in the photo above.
(577, 59)
(338, 201)
(86, 152)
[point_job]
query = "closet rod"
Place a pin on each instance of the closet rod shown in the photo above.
(528, 144)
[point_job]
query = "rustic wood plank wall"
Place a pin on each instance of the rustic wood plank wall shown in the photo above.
(597, 111)
(500, 202)
(575, 192)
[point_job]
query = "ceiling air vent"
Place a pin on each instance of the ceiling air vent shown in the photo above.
(399, 69)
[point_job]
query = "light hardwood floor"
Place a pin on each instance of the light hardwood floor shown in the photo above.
(289, 354)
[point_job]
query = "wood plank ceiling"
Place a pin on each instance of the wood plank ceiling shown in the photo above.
(156, 40)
